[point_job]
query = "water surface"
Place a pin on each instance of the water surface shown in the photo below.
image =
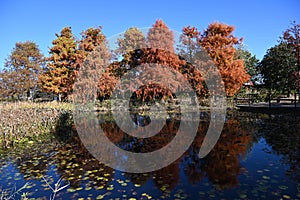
(256, 157)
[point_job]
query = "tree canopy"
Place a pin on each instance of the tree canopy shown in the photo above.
(21, 70)
(219, 41)
(278, 67)
(292, 37)
(58, 77)
(131, 40)
(250, 62)
(68, 55)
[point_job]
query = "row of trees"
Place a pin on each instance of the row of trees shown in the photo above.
(28, 71)
(280, 66)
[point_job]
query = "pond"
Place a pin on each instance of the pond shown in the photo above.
(256, 157)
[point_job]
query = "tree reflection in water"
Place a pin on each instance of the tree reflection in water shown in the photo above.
(222, 167)
(283, 136)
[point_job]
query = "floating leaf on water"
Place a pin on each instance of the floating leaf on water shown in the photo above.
(132, 198)
(259, 171)
(110, 187)
(243, 196)
(202, 193)
(119, 181)
(29, 186)
(71, 190)
(147, 195)
(100, 196)
(79, 188)
(282, 187)
(137, 185)
(88, 188)
(163, 188)
(17, 174)
(286, 196)
(75, 165)
(100, 187)
(265, 177)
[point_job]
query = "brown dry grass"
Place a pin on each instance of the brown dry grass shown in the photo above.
(22, 120)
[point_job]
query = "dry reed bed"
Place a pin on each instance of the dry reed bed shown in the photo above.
(25, 120)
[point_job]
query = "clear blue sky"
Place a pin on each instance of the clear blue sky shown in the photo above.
(259, 22)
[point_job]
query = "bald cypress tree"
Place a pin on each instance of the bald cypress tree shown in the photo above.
(219, 41)
(61, 65)
(131, 40)
(161, 37)
(22, 68)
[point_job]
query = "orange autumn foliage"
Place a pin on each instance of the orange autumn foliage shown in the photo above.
(219, 42)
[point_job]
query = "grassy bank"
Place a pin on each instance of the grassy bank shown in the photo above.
(26, 122)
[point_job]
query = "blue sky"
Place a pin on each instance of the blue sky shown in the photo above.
(259, 22)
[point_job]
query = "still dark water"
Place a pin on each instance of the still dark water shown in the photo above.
(256, 157)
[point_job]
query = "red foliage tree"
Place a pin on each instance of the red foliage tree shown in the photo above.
(219, 41)
(160, 37)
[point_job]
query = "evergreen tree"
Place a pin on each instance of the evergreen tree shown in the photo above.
(278, 67)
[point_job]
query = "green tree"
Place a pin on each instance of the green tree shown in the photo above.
(22, 69)
(292, 37)
(60, 72)
(250, 62)
(278, 67)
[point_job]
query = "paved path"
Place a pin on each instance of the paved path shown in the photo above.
(265, 106)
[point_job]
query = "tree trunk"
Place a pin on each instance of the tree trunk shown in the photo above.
(269, 98)
(295, 99)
